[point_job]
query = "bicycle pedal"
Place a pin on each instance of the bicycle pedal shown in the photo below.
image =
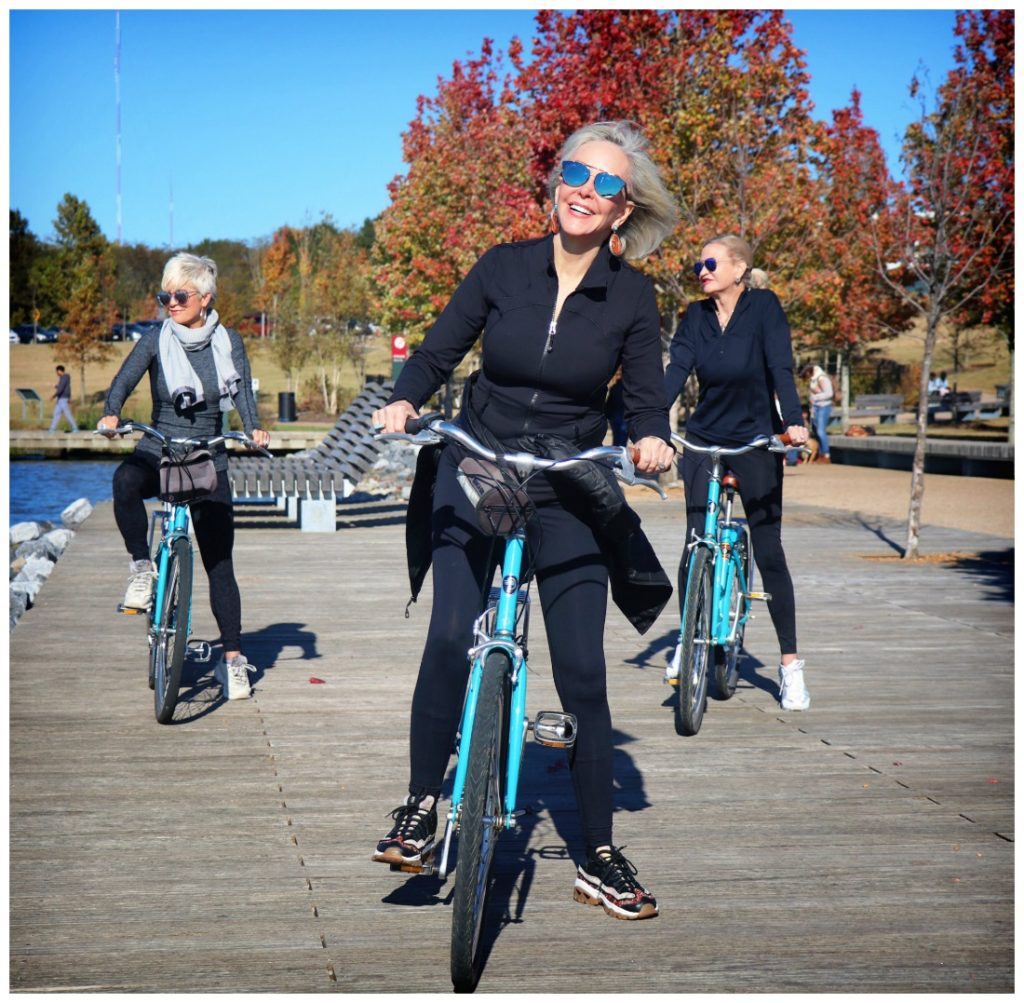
(671, 680)
(554, 729)
(199, 651)
(131, 610)
(766, 596)
(426, 869)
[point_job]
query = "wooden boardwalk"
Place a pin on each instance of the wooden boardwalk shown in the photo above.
(866, 845)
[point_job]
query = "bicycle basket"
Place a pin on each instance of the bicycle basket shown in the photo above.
(502, 507)
(187, 477)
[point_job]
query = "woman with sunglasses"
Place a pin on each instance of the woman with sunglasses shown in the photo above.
(561, 314)
(197, 370)
(738, 343)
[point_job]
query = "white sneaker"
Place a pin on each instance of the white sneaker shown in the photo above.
(233, 677)
(672, 668)
(141, 585)
(793, 693)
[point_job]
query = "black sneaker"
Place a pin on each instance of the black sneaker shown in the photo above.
(608, 879)
(412, 836)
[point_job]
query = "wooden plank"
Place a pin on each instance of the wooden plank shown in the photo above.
(866, 845)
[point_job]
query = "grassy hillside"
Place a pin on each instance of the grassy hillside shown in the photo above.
(33, 366)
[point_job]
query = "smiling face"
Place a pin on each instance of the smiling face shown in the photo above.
(582, 213)
(727, 273)
(190, 314)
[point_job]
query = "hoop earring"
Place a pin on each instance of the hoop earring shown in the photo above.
(553, 219)
(615, 244)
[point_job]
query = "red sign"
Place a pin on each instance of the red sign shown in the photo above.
(399, 349)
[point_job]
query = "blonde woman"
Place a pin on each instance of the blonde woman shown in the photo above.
(822, 394)
(738, 343)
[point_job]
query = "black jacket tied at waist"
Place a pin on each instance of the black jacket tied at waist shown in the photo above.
(639, 585)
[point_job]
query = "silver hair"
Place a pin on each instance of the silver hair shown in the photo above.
(758, 278)
(655, 212)
(191, 270)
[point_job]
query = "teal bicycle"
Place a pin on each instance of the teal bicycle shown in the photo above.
(170, 614)
(494, 724)
(719, 592)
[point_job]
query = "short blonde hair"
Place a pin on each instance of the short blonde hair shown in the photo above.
(758, 278)
(740, 251)
(191, 270)
(655, 212)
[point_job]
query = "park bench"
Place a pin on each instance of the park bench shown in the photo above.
(308, 484)
(884, 407)
(963, 405)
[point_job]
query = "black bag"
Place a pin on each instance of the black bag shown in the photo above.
(502, 506)
(187, 477)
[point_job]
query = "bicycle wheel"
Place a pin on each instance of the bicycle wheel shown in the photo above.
(696, 642)
(478, 829)
(727, 656)
(167, 653)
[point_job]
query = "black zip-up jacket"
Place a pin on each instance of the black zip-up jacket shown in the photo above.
(739, 371)
(539, 377)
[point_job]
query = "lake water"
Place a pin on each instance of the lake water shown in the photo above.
(42, 489)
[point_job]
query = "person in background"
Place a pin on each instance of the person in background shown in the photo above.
(738, 343)
(821, 396)
(62, 395)
(562, 313)
(197, 371)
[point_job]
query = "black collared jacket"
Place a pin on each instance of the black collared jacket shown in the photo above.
(536, 378)
(739, 370)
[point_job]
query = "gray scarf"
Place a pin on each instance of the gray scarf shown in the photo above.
(176, 341)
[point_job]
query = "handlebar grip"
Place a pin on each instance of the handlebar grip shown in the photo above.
(784, 438)
(634, 454)
(414, 425)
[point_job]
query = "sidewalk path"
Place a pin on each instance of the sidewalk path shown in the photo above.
(863, 846)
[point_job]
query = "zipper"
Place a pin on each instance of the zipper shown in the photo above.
(549, 345)
(552, 331)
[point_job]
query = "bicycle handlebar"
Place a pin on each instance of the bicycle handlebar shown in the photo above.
(775, 443)
(138, 426)
(429, 429)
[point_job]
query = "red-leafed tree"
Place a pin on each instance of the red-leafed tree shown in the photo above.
(859, 196)
(468, 186)
(955, 244)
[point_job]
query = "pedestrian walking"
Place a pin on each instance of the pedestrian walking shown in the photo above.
(62, 395)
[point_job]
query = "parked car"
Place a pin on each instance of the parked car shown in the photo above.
(15, 340)
(141, 327)
(47, 335)
(25, 333)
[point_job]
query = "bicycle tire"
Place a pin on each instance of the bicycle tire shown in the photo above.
(727, 657)
(478, 836)
(168, 651)
(692, 692)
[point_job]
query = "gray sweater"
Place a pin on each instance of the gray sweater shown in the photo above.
(204, 420)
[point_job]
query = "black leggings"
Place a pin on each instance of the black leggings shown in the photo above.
(760, 477)
(136, 479)
(572, 578)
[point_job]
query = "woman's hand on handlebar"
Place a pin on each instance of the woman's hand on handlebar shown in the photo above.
(261, 437)
(107, 425)
(656, 456)
(392, 417)
(796, 435)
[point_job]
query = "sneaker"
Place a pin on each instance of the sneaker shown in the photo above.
(608, 879)
(233, 677)
(672, 668)
(793, 693)
(141, 585)
(412, 836)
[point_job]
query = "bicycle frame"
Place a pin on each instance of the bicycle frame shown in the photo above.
(502, 634)
(174, 520)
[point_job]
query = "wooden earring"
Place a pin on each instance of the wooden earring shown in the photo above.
(615, 244)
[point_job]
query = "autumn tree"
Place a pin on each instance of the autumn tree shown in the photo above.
(86, 272)
(955, 237)
(467, 187)
(279, 296)
(856, 307)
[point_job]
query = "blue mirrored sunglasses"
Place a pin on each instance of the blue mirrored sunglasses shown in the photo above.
(575, 175)
(709, 263)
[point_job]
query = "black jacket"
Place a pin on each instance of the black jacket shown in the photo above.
(739, 371)
(533, 381)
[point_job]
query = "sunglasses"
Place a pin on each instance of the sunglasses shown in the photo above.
(575, 175)
(709, 263)
(180, 296)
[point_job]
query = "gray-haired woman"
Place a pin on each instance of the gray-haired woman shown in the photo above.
(562, 313)
(197, 370)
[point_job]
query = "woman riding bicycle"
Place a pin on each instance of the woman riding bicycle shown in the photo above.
(561, 313)
(197, 370)
(738, 343)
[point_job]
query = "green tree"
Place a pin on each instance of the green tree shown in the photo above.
(86, 273)
(25, 251)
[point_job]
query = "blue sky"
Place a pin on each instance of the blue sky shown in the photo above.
(255, 119)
